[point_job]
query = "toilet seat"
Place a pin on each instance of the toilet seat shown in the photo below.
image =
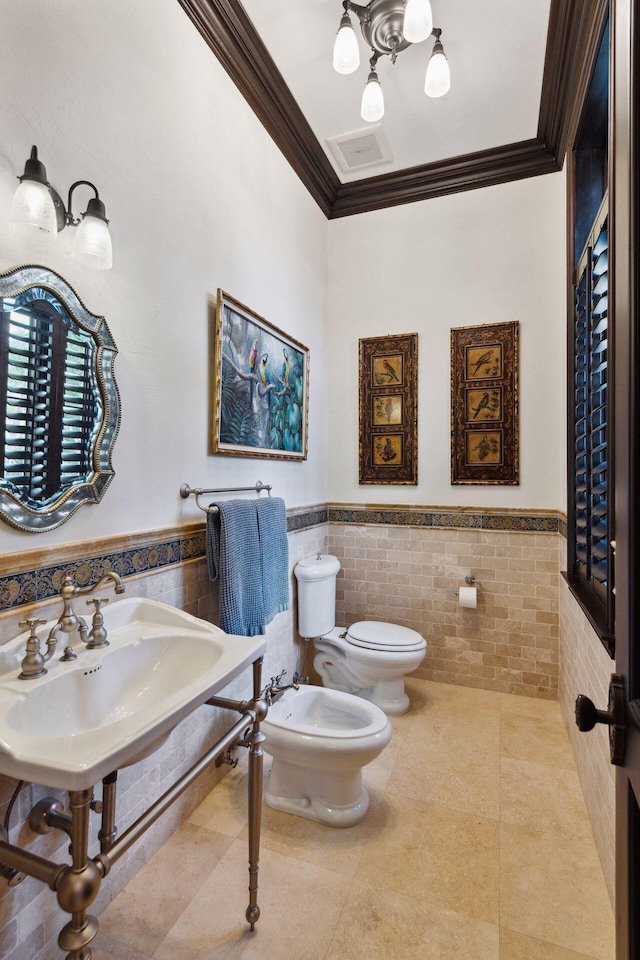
(375, 635)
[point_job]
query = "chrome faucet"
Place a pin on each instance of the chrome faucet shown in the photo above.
(70, 622)
(273, 690)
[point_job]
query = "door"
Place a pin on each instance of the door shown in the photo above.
(626, 278)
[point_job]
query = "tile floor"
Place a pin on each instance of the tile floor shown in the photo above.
(476, 846)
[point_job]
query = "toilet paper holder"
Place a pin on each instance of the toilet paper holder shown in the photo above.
(471, 581)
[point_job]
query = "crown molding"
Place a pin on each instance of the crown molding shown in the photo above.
(574, 33)
(574, 30)
(514, 161)
(227, 30)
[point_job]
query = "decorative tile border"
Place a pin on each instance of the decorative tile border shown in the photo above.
(461, 519)
(42, 583)
(302, 519)
(30, 586)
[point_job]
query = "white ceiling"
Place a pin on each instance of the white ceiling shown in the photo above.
(496, 52)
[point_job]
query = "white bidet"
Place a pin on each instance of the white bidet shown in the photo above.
(320, 739)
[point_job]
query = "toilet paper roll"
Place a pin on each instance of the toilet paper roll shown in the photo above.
(468, 597)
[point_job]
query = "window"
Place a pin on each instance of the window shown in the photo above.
(590, 560)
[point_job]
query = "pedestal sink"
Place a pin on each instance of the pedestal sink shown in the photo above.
(112, 706)
(107, 708)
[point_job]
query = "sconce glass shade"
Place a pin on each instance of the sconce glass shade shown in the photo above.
(346, 55)
(418, 21)
(32, 206)
(372, 107)
(92, 245)
(438, 79)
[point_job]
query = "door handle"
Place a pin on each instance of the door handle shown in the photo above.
(587, 715)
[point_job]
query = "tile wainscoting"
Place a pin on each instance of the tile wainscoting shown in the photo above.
(406, 567)
(585, 667)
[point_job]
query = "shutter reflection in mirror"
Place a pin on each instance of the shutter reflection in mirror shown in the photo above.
(59, 403)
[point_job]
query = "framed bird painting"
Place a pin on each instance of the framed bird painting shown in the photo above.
(484, 404)
(389, 409)
(260, 386)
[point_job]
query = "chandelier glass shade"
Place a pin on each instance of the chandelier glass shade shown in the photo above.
(346, 53)
(437, 81)
(372, 107)
(418, 21)
(389, 27)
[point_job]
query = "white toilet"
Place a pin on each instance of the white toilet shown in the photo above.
(369, 658)
(320, 739)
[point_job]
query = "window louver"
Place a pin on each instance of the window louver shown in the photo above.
(590, 437)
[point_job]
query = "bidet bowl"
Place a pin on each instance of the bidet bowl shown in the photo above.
(114, 705)
(326, 729)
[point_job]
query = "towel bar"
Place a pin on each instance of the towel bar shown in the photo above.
(186, 491)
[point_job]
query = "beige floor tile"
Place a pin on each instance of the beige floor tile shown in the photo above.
(543, 798)
(328, 847)
(147, 908)
(552, 889)
(530, 707)
(454, 778)
(224, 809)
(377, 774)
(300, 907)
(428, 691)
(455, 760)
(444, 857)
(107, 948)
(475, 729)
(430, 699)
(535, 739)
(379, 925)
(517, 946)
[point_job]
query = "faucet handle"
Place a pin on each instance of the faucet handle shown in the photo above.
(33, 661)
(32, 623)
(98, 633)
(97, 601)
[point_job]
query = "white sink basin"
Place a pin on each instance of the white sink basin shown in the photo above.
(112, 706)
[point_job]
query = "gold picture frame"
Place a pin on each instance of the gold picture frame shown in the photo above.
(484, 404)
(389, 409)
(260, 388)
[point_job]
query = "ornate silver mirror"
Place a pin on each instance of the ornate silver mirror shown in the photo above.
(59, 403)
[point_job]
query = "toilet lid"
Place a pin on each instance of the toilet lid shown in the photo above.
(383, 636)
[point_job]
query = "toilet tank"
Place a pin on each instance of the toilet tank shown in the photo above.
(316, 578)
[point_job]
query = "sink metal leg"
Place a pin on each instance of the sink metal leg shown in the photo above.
(79, 885)
(256, 755)
(108, 832)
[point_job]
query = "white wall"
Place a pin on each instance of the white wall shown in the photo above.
(486, 256)
(126, 94)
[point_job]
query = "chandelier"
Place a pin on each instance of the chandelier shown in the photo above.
(388, 27)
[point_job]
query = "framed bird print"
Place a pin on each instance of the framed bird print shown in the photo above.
(389, 409)
(484, 404)
(260, 386)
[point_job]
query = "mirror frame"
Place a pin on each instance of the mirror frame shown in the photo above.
(12, 508)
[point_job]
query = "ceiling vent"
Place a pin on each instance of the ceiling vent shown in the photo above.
(362, 148)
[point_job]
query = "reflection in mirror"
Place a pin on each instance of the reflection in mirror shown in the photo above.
(59, 403)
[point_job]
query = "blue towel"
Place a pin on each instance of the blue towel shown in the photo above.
(233, 557)
(274, 556)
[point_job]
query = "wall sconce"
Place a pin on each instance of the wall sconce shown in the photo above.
(37, 204)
